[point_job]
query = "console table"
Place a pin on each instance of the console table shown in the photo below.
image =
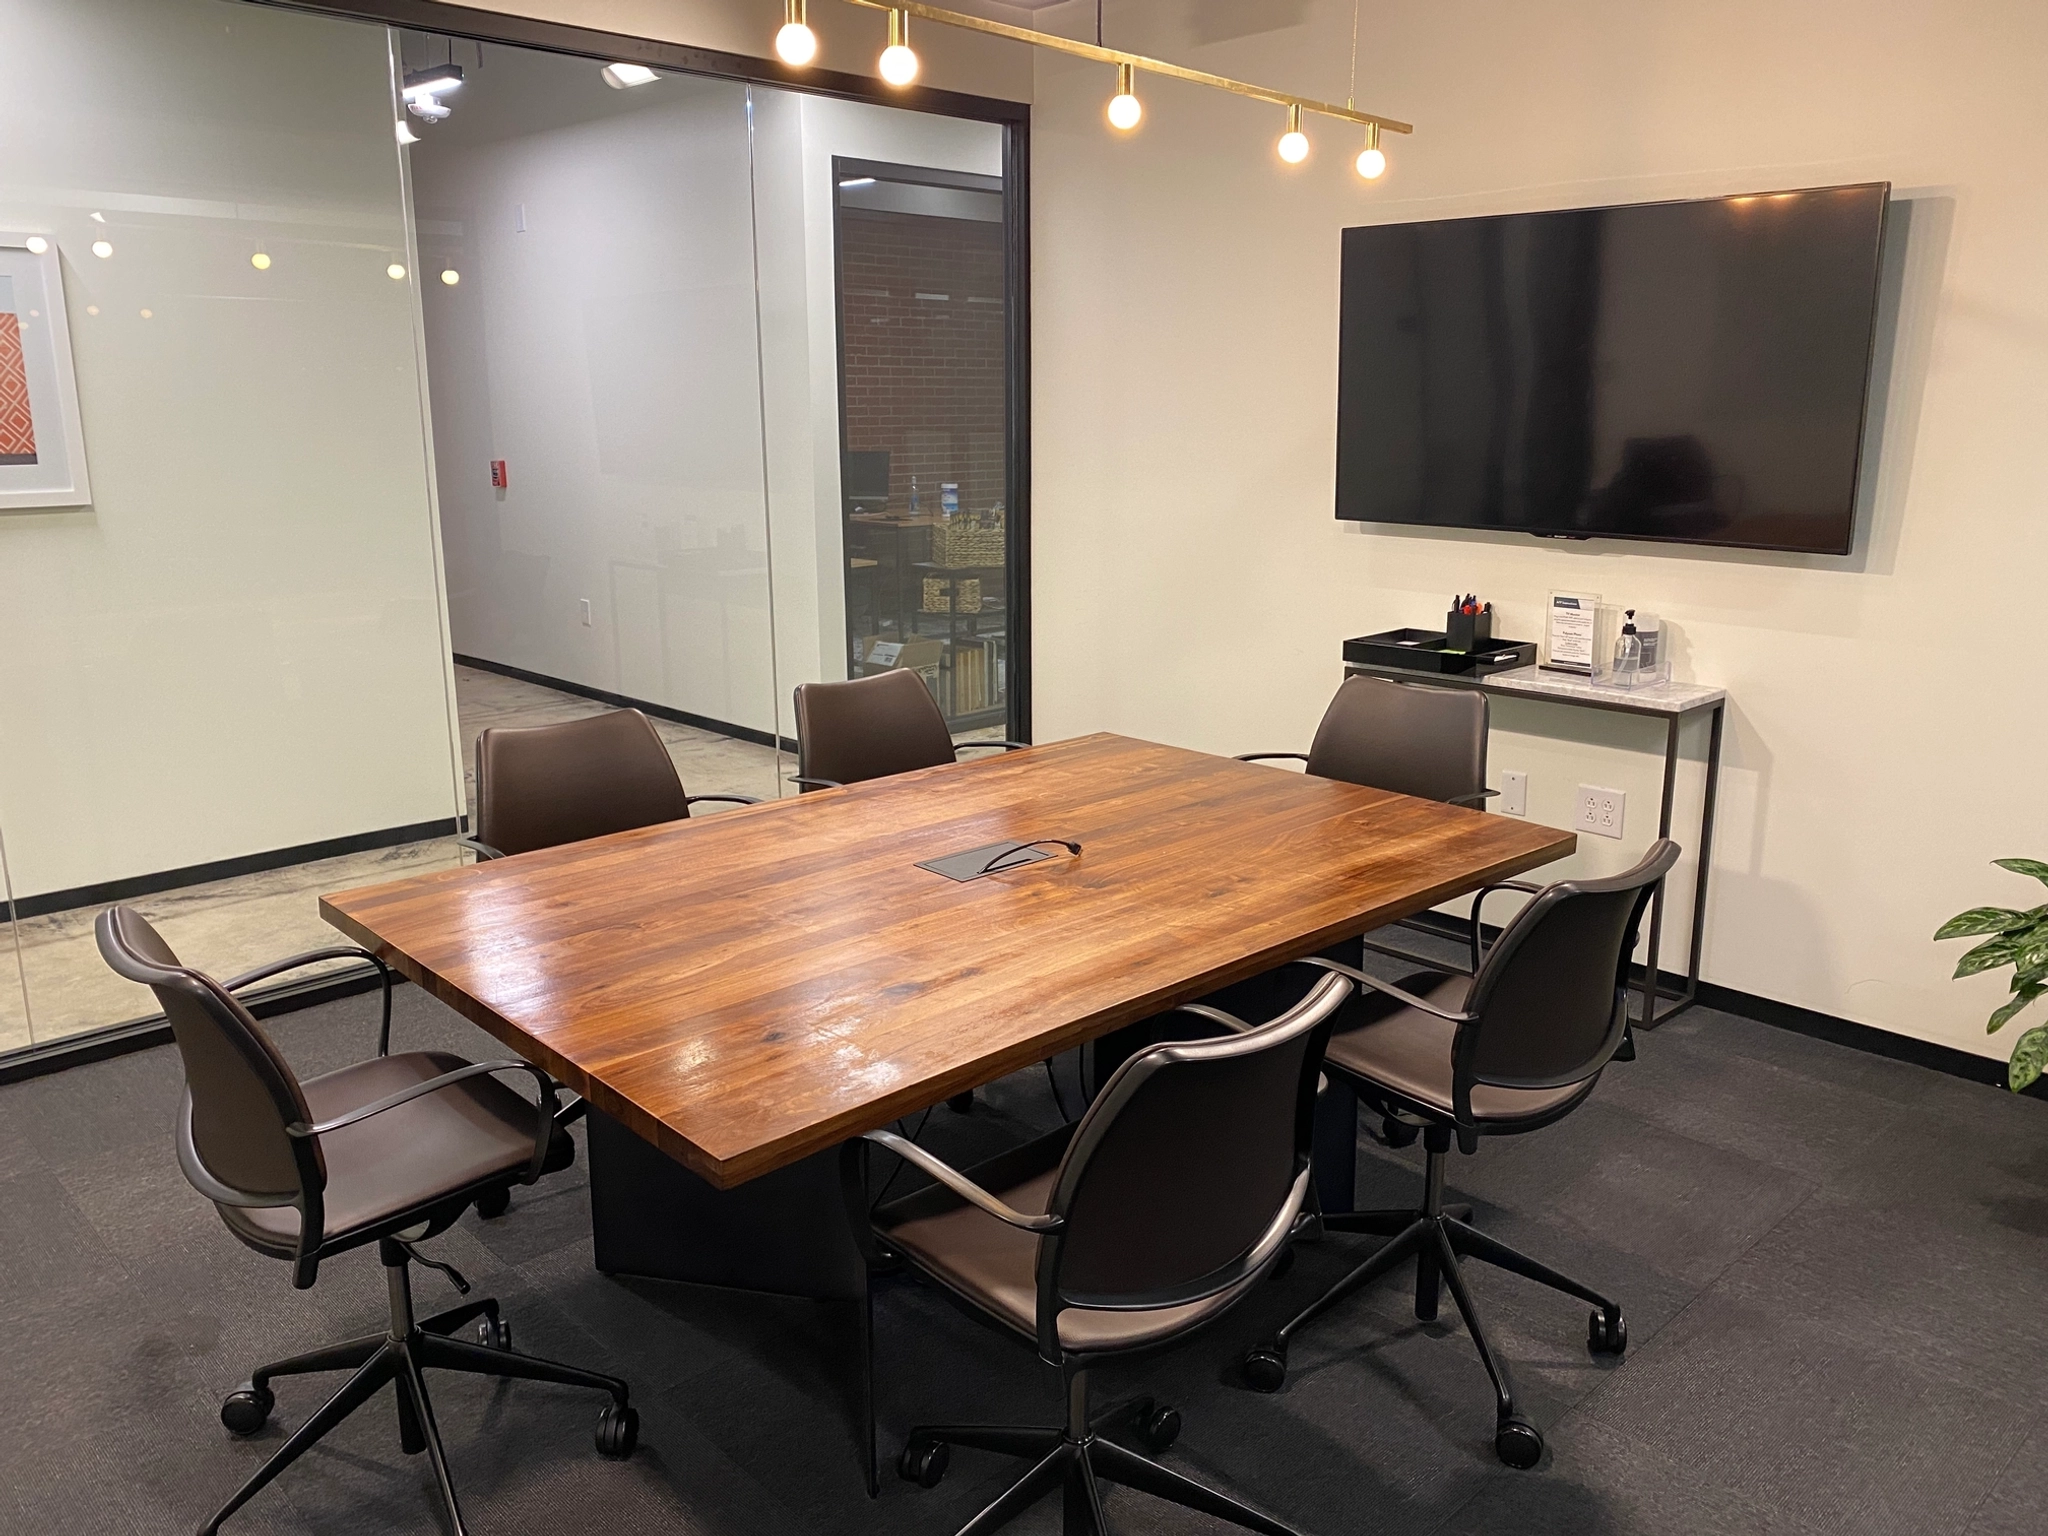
(1674, 704)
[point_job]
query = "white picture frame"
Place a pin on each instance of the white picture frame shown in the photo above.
(42, 439)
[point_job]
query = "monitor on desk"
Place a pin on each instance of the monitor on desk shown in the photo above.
(864, 480)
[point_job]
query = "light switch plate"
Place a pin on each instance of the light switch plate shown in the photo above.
(1513, 799)
(1601, 811)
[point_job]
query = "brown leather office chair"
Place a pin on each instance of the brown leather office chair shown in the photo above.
(1152, 1216)
(538, 786)
(1514, 1049)
(870, 728)
(388, 1151)
(1409, 738)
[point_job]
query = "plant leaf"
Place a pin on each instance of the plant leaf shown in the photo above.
(1979, 920)
(2024, 995)
(2028, 1058)
(2032, 867)
(1992, 952)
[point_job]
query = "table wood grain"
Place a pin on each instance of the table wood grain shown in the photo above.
(749, 988)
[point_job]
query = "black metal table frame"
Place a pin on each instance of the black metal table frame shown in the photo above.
(1652, 986)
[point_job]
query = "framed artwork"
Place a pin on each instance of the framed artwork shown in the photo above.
(42, 445)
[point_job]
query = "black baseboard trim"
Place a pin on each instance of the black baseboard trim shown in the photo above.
(627, 701)
(1810, 1022)
(145, 1034)
(110, 891)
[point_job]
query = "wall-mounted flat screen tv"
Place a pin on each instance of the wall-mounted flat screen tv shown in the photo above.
(1692, 371)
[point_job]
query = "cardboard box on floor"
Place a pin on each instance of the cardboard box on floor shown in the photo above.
(922, 656)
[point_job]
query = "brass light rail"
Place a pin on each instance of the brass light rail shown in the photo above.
(1137, 61)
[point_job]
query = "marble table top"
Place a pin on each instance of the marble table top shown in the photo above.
(1651, 699)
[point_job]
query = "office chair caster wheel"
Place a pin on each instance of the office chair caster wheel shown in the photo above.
(1604, 1335)
(924, 1462)
(495, 1333)
(493, 1203)
(246, 1409)
(1265, 1368)
(961, 1103)
(1158, 1427)
(1517, 1443)
(618, 1431)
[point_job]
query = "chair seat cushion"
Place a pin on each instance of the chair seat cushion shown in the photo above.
(995, 1266)
(402, 1161)
(1383, 1041)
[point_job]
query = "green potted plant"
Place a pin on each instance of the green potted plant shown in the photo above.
(2020, 940)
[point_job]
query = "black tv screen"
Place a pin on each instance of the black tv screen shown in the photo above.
(1689, 371)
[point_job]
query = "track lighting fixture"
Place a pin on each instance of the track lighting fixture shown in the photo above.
(1372, 160)
(1293, 143)
(1124, 107)
(899, 64)
(434, 80)
(796, 44)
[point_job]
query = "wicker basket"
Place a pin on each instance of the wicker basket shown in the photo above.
(957, 545)
(967, 597)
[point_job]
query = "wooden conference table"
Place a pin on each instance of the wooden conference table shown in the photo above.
(738, 994)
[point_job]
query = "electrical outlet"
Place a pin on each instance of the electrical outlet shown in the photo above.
(583, 603)
(1601, 810)
(1513, 799)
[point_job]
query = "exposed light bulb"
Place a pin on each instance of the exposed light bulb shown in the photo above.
(102, 249)
(260, 262)
(36, 245)
(1372, 160)
(1125, 109)
(450, 276)
(1294, 143)
(396, 271)
(623, 77)
(898, 63)
(796, 43)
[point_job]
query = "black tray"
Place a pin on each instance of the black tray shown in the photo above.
(1422, 650)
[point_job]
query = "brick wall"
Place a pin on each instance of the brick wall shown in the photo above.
(924, 376)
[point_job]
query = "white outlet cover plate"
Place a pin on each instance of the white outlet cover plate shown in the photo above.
(1602, 811)
(1514, 793)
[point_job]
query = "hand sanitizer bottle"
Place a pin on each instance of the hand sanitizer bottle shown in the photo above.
(1628, 654)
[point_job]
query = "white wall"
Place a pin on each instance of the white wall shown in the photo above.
(1192, 585)
(238, 647)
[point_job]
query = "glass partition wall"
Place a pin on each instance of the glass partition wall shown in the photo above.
(428, 385)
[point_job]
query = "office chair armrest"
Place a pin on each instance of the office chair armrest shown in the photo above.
(1229, 1021)
(1260, 757)
(689, 800)
(814, 783)
(1478, 899)
(960, 1184)
(482, 851)
(385, 976)
(1007, 746)
(1389, 988)
(545, 1108)
(1472, 799)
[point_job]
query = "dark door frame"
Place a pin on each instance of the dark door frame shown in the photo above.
(1014, 117)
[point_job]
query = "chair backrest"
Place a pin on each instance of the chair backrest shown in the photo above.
(1186, 1174)
(1404, 737)
(541, 785)
(240, 1094)
(869, 728)
(1551, 997)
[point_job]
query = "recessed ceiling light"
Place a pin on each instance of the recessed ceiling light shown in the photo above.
(858, 181)
(37, 245)
(395, 271)
(451, 277)
(621, 77)
(260, 262)
(102, 249)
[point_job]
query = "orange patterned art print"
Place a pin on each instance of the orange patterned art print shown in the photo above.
(17, 422)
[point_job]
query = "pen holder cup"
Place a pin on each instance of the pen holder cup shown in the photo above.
(1464, 631)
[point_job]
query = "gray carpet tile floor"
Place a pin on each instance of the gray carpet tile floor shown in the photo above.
(1833, 1264)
